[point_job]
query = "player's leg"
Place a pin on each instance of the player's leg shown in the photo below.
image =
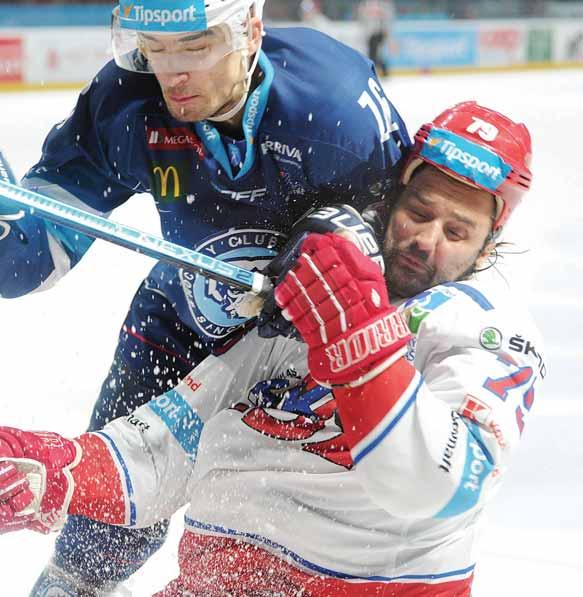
(155, 351)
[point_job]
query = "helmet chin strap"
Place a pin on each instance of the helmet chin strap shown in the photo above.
(239, 105)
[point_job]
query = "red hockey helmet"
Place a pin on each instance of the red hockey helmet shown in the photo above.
(480, 147)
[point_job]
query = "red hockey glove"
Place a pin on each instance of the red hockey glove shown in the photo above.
(36, 484)
(338, 300)
(340, 219)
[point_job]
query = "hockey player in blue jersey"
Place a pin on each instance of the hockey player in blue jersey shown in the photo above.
(235, 133)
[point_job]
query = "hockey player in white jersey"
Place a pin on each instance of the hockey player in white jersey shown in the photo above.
(359, 461)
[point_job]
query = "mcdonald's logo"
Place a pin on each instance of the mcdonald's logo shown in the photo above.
(164, 175)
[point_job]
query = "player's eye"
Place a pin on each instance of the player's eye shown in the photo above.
(417, 215)
(455, 234)
(200, 50)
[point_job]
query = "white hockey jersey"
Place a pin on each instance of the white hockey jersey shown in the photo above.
(262, 456)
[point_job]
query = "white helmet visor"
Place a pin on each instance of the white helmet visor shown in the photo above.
(169, 41)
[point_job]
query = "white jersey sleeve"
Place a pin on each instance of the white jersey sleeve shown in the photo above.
(155, 448)
(433, 437)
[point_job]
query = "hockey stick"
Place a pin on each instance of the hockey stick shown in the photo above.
(130, 238)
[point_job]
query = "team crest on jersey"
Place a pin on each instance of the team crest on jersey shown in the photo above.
(212, 303)
(294, 410)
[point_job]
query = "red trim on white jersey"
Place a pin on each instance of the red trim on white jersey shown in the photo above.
(364, 407)
(216, 566)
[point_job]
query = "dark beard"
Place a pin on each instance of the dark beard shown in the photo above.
(403, 289)
(399, 288)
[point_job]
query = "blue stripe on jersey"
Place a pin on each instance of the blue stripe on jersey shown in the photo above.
(124, 468)
(258, 539)
(477, 468)
(180, 418)
(474, 294)
(358, 457)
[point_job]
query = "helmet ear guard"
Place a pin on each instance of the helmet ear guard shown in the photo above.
(479, 147)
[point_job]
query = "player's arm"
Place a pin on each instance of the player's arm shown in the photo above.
(137, 469)
(44, 476)
(78, 166)
(421, 445)
(416, 455)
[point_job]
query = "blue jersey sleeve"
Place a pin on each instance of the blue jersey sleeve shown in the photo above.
(328, 102)
(83, 163)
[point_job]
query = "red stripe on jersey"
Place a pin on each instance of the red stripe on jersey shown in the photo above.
(98, 488)
(217, 566)
(364, 407)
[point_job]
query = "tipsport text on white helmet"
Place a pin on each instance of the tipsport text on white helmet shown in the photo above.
(153, 35)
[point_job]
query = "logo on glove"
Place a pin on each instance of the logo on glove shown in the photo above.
(366, 342)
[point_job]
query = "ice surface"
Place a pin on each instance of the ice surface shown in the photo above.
(57, 346)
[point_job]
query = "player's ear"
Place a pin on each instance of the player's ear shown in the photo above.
(485, 255)
(255, 34)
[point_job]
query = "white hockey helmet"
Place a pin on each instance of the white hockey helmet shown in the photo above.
(179, 35)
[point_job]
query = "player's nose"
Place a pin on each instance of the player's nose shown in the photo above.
(428, 235)
(172, 80)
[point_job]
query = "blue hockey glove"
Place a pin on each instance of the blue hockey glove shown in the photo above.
(340, 219)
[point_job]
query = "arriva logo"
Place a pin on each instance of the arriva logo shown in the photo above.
(282, 149)
(453, 153)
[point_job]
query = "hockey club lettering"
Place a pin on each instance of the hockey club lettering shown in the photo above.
(309, 411)
(450, 447)
(367, 341)
(212, 304)
(174, 139)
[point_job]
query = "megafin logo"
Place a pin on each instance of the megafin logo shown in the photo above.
(454, 153)
(174, 139)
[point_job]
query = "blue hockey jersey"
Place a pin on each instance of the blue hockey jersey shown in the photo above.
(317, 129)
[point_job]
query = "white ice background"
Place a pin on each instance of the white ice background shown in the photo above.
(55, 347)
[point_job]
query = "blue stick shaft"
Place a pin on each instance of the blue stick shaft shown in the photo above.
(136, 240)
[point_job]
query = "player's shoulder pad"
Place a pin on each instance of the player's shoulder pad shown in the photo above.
(322, 91)
(457, 316)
